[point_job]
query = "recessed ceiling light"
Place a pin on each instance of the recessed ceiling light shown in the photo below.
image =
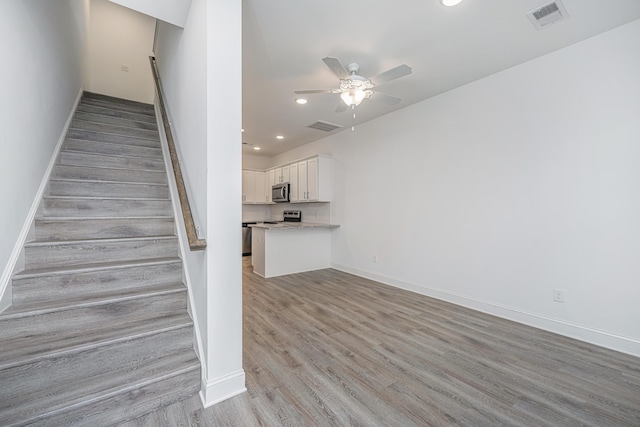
(450, 2)
(279, 137)
(301, 101)
(242, 130)
(256, 148)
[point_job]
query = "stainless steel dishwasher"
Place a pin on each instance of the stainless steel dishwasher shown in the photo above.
(246, 238)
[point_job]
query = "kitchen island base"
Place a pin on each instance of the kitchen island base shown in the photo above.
(280, 251)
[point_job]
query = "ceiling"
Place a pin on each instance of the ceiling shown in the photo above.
(446, 47)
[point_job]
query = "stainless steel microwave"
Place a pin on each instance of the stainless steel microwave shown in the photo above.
(280, 193)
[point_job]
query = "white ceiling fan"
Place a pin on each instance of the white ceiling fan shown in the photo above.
(354, 88)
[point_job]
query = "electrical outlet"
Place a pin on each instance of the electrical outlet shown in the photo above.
(558, 295)
(375, 259)
(124, 68)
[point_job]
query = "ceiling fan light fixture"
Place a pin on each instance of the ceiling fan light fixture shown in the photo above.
(353, 97)
(449, 3)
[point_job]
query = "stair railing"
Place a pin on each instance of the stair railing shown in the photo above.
(195, 244)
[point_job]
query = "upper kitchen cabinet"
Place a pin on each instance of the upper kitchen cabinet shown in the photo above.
(311, 180)
(282, 174)
(254, 187)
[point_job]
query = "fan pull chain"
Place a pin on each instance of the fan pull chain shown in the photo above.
(353, 126)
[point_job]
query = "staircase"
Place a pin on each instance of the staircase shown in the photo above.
(98, 332)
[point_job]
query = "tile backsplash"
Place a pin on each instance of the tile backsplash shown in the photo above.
(311, 212)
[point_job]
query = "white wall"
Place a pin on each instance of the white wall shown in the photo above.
(42, 45)
(119, 36)
(494, 194)
(207, 125)
(172, 11)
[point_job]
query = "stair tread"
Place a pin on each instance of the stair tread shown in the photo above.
(126, 156)
(111, 168)
(92, 267)
(102, 181)
(112, 128)
(29, 408)
(21, 355)
(37, 243)
(19, 311)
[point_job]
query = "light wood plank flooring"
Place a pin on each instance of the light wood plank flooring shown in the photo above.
(327, 348)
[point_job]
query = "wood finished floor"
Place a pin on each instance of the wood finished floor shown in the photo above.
(327, 348)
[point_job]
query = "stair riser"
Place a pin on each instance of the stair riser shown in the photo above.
(66, 207)
(112, 148)
(71, 254)
(107, 189)
(103, 111)
(110, 174)
(76, 229)
(20, 382)
(108, 128)
(106, 161)
(127, 139)
(116, 101)
(130, 406)
(116, 121)
(66, 324)
(54, 287)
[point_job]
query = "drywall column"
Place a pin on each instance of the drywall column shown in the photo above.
(225, 376)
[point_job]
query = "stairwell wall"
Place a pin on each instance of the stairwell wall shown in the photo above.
(42, 48)
(206, 122)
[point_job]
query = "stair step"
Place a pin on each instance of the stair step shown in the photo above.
(35, 332)
(110, 128)
(80, 379)
(110, 174)
(84, 283)
(100, 207)
(145, 109)
(117, 121)
(87, 188)
(117, 138)
(105, 111)
(116, 101)
(71, 253)
(101, 228)
(77, 158)
(131, 401)
(113, 148)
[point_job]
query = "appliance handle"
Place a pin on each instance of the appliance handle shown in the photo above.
(282, 195)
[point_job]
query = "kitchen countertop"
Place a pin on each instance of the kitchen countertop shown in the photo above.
(292, 225)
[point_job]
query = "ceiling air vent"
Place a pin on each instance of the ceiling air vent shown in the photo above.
(548, 14)
(325, 126)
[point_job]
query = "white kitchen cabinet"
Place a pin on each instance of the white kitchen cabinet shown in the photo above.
(281, 174)
(314, 180)
(271, 181)
(261, 188)
(254, 187)
(248, 186)
(293, 183)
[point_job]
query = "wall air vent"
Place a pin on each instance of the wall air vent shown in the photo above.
(548, 14)
(324, 126)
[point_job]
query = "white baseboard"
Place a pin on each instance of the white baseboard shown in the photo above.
(10, 268)
(579, 332)
(223, 388)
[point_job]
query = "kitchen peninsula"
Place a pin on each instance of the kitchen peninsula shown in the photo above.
(290, 247)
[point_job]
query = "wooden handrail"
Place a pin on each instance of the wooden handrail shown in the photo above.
(195, 244)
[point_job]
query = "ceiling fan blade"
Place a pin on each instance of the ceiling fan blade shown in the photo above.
(341, 108)
(385, 99)
(314, 91)
(336, 67)
(392, 74)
